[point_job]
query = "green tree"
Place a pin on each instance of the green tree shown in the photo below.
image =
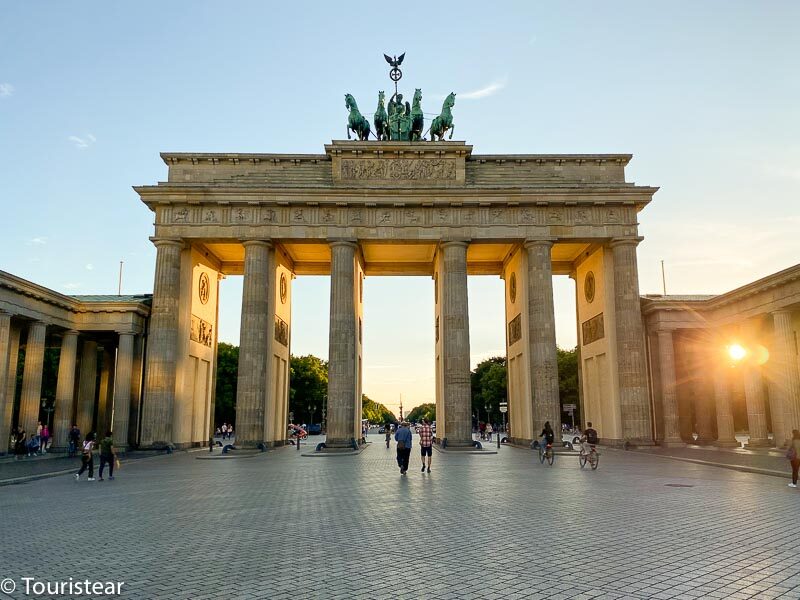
(489, 383)
(568, 377)
(375, 412)
(227, 372)
(308, 388)
(423, 411)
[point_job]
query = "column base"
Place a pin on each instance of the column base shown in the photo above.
(350, 443)
(460, 443)
(672, 444)
(727, 444)
(758, 443)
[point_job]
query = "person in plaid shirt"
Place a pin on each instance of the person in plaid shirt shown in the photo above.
(426, 443)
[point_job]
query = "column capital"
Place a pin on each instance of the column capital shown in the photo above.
(629, 241)
(121, 332)
(166, 241)
(333, 242)
(781, 311)
(71, 332)
(266, 242)
(534, 243)
(464, 243)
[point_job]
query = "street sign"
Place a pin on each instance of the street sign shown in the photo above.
(570, 406)
(503, 409)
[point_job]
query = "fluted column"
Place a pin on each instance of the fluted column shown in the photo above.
(342, 346)
(542, 337)
(786, 382)
(722, 400)
(105, 397)
(32, 377)
(11, 384)
(65, 389)
(669, 385)
(87, 387)
(454, 331)
(251, 391)
(122, 389)
(754, 393)
(162, 351)
(632, 368)
(6, 406)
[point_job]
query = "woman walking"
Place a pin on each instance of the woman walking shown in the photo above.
(87, 457)
(45, 438)
(793, 454)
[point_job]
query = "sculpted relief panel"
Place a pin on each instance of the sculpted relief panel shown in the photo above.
(353, 215)
(399, 168)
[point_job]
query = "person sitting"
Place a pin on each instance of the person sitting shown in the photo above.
(589, 439)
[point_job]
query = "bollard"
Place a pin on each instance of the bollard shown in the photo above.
(297, 442)
(498, 440)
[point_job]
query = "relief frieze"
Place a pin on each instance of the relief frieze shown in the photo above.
(201, 331)
(593, 329)
(412, 169)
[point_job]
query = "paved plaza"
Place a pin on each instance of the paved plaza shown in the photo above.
(282, 525)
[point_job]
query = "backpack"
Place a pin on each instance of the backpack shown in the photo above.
(591, 436)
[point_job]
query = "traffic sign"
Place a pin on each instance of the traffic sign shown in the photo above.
(503, 409)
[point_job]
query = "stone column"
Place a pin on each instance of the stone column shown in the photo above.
(122, 390)
(722, 399)
(633, 396)
(542, 338)
(5, 405)
(32, 377)
(756, 409)
(342, 346)
(669, 387)
(105, 397)
(65, 389)
(162, 350)
(10, 387)
(251, 391)
(787, 379)
(87, 386)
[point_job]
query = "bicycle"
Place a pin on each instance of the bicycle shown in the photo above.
(592, 457)
(546, 454)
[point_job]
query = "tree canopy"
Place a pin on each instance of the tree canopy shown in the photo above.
(227, 370)
(423, 411)
(308, 388)
(489, 383)
(375, 412)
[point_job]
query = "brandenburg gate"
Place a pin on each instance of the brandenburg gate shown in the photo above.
(383, 207)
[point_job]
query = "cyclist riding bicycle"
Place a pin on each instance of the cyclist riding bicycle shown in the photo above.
(589, 439)
(547, 435)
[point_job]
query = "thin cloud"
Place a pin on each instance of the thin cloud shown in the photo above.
(90, 267)
(82, 142)
(484, 92)
(6, 89)
(37, 241)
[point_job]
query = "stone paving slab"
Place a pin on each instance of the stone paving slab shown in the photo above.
(766, 462)
(501, 526)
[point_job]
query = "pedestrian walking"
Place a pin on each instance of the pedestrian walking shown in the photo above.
(489, 430)
(403, 439)
(74, 440)
(87, 457)
(224, 431)
(107, 455)
(793, 454)
(426, 443)
(45, 438)
(388, 431)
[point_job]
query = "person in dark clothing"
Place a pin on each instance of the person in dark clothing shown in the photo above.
(403, 439)
(107, 455)
(795, 445)
(87, 457)
(548, 435)
(21, 444)
(74, 440)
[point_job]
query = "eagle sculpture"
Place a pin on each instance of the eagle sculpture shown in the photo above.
(394, 62)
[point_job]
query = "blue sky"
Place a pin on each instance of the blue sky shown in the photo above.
(703, 94)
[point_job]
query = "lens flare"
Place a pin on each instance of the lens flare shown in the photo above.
(736, 352)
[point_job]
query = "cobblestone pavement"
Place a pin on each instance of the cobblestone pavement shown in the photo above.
(280, 525)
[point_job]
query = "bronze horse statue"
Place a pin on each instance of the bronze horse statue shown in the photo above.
(381, 119)
(355, 122)
(417, 118)
(444, 121)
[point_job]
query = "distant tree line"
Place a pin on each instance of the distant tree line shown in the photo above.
(308, 388)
